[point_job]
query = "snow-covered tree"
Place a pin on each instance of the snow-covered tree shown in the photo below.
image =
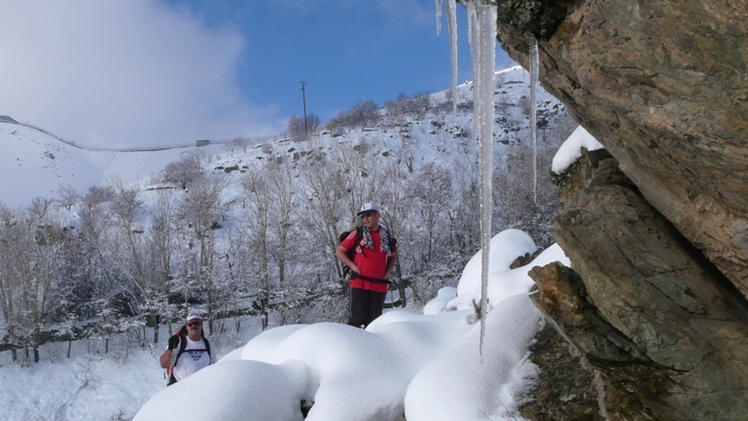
(201, 211)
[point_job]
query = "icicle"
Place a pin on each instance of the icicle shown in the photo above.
(534, 115)
(482, 29)
(452, 22)
(475, 61)
(438, 6)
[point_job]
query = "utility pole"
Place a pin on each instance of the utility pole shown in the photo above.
(303, 96)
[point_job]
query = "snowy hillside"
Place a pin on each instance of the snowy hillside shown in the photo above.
(35, 164)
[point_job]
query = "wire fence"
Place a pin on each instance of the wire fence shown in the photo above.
(251, 140)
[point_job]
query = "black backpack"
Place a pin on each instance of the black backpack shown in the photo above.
(350, 253)
(357, 223)
(182, 346)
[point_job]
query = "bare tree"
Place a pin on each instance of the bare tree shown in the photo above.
(282, 210)
(160, 245)
(525, 105)
(257, 210)
(10, 283)
(201, 211)
(93, 216)
(363, 113)
(463, 215)
(325, 189)
(516, 206)
(397, 109)
(128, 248)
(240, 143)
(30, 249)
(183, 171)
(360, 172)
(431, 193)
(68, 196)
(299, 129)
(397, 209)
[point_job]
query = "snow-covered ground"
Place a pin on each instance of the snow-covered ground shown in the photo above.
(428, 365)
(91, 385)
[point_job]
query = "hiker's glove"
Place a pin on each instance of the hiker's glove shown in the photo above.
(173, 342)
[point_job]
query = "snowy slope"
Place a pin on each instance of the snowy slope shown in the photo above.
(36, 164)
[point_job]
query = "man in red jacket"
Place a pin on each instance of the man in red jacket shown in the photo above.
(375, 256)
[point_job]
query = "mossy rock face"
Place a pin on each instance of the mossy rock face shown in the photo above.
(565, 389)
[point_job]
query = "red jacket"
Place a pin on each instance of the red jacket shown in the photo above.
(371, 263)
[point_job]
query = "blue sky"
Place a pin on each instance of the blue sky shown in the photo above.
(156, 72)
(345, 50)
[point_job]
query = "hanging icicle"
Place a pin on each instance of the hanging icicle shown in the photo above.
(452, 22)
(451, 6)
(534, 114)
(438, 7)
(482, 30)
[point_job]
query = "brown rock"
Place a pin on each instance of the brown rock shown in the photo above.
(656, 303)
(657, 322)
(664, 86)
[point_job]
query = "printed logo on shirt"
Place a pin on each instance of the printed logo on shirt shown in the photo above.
(196, 355)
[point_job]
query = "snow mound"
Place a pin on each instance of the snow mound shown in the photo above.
(426, 366)
(571, 149)
(231, 391)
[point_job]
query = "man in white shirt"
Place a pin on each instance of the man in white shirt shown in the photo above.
(188, 350)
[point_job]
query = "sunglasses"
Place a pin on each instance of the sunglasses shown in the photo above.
(195, 323)
(367, 214)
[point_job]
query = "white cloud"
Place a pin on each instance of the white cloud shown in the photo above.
(127, 73)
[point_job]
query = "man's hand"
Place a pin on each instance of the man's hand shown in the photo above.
(173, 342)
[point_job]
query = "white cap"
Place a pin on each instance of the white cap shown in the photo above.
(370, 206)
(194, 315)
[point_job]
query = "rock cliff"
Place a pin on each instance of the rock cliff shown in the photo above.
(657, 232)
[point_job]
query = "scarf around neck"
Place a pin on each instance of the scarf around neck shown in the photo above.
(384, 239)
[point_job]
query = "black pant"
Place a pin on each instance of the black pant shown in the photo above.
(365, 306)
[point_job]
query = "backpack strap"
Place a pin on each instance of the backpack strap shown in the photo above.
(359, 234)
(183, 345)
(207, 348)
(350, 253)
(175, 355)
(175, 358)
